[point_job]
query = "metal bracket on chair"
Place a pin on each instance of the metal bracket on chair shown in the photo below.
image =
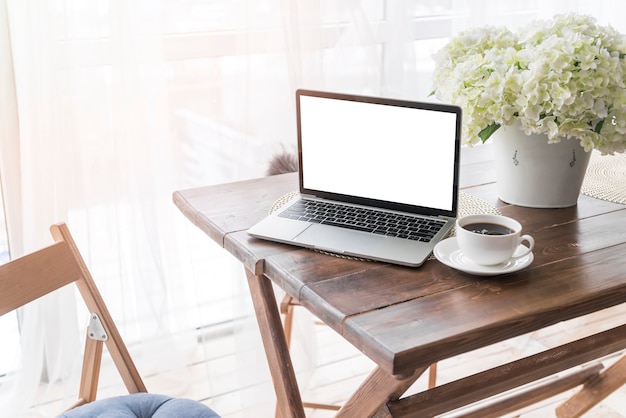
(95, 330)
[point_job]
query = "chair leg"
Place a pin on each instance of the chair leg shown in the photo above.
(432, 376)
(91, 372)
(286, 308)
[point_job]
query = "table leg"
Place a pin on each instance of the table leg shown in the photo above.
(375, 392)
(276, 349)
(596, 389)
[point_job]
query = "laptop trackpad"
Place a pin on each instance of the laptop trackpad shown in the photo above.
(338, 240)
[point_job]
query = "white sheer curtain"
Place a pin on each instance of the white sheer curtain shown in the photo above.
(119, 103)
(108, 106)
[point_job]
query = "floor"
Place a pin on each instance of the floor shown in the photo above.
(340, 368)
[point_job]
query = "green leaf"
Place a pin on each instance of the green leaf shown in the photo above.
(598, 127)
(488, 131)
(432, 93)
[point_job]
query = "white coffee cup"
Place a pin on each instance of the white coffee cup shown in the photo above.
(491, 239)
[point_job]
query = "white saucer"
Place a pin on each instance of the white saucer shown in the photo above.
(447, 251)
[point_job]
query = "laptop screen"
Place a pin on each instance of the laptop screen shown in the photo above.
(390, 153)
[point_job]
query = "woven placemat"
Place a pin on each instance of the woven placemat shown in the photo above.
(468, 205)
(606, 178)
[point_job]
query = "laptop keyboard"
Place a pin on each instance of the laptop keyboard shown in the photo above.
(364, 219)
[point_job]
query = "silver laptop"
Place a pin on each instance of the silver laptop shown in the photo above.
(378, 178)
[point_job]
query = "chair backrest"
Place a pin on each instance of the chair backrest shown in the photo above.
(36, 274)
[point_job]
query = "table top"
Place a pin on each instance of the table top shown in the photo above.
(405, 318)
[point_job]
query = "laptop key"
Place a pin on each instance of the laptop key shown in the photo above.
(348, 226)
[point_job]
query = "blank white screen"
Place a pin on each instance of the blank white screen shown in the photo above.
(391, 153)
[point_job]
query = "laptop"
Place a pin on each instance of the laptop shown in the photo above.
(378, 178)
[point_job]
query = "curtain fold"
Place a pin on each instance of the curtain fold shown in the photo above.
(109, 106)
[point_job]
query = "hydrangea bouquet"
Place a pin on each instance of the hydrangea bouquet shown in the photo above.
(563, 77)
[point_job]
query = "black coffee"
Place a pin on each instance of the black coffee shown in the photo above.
(485, 228)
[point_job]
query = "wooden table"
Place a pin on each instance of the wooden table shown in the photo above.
(405, 319)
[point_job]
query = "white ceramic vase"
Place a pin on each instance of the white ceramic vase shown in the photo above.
(533, 173)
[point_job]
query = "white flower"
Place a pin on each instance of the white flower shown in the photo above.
(563, 78)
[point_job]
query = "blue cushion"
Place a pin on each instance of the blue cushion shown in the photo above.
(141, 405)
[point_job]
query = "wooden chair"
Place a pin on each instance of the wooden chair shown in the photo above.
(41, 272)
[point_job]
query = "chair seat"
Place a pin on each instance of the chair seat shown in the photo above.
(141, 405)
